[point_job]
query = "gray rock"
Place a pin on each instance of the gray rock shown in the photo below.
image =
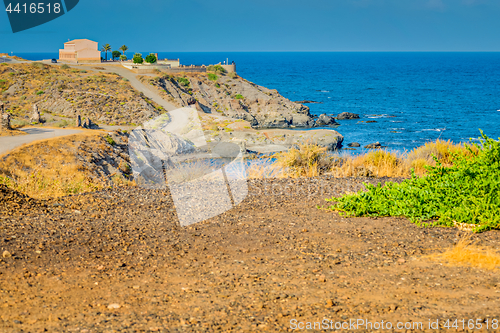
(5, 121)
(78, 121)
(374, 145)
(347, 115)
(325, 120)
(35, 117)
(353, 144)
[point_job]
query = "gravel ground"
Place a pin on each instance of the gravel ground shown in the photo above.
(118, 261)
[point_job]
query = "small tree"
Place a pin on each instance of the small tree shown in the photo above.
(151, 59)
(124, 48)
(105, 49)
(116, 54)
(138, 58)
(123, 57)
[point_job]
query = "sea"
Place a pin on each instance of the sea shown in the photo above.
(403, 99)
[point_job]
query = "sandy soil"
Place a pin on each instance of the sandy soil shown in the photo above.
(118, 261)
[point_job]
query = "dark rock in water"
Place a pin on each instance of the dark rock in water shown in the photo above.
(308, 102)
(325, 120)
(374, 145)
(353, 144)
(347, 115)
(370, 121)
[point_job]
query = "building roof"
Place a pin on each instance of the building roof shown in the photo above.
(77, 40)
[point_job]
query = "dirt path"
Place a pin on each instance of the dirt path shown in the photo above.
(118, 261)
(132, 77)
(7, 143)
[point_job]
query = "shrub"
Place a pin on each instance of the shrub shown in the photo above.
(125, 79)
(40, 92)
(64, 66)
(306, 160)
(151, 59)
(212, 77)
(467, 192)
(216, 69)
(83, 71)
(110, 140)
(38, 65)
(239, 96)
(232, 75)
(137, 58)
(183, 81)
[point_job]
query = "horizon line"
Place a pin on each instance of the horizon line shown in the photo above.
(287, 51)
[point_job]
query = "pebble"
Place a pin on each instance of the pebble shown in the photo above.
(113, 306)
(6, 254)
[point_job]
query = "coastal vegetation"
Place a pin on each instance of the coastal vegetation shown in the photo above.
(123, 48)
(151, 59)
(217, 69)
(466, 192)
(137, 58)
(115, 55)
(105, 49)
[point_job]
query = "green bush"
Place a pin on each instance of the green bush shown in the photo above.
(110, 140)
(467, 192)
(138, 58)
(83, 71)
(239, 96)
(151, 59)
(212, 77)
(183, 81)
(233, 75)
(40, 92)
(216, 69)
(64, 66)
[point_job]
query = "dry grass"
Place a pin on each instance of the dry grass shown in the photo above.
(308, 160)
(50, 168)
(383, 163)
(466, 253)
(265, 168)
(12, 132)
(46, 169)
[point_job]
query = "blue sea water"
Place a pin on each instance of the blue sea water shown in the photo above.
(413, 97)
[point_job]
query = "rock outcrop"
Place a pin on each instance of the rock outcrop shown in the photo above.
(35, 116)
(325, 120)
(347, 115)
(374, 145)
(236, 98)
(5, 121)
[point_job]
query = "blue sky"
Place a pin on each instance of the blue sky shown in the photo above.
(269, 25)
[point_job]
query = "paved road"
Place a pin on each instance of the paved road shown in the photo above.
(8, 143)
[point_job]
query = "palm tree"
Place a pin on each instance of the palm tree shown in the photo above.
(106, 48)
(124, 48)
